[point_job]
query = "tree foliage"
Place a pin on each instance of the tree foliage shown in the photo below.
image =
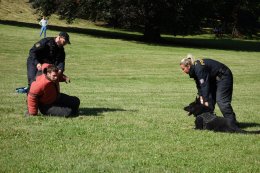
(153, 17)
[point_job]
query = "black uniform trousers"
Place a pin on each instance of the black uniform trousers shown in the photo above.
(64, 106)
(221, 90)
(31, 70)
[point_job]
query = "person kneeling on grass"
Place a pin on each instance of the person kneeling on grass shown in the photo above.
(44, 94)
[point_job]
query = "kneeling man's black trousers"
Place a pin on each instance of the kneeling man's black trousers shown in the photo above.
(65, 106)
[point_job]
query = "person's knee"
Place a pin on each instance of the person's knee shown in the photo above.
(61, 112)
(76, 102)
(75, 108)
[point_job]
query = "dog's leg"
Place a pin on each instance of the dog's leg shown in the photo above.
(199, 123)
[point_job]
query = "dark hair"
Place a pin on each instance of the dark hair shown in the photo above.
(50, 68)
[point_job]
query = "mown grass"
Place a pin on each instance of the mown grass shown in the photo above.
(132, 95)
(20, 10)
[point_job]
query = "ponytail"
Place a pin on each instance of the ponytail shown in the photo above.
(189, 60)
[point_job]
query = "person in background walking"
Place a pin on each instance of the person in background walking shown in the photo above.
(43, 23)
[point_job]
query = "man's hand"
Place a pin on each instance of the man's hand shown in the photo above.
(27, 114)
(201, 100)
(39, 66)
(63, 77)
(60, 72)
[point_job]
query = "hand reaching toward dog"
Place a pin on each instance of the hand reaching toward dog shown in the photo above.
(203, 103)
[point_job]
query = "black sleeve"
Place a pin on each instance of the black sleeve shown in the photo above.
(61, 60)
(202, 81)
(198, 87)
(61, 66)
(37, 47)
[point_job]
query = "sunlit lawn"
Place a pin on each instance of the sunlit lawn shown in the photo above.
(132, 95)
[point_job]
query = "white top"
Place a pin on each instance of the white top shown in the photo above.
(43, 22)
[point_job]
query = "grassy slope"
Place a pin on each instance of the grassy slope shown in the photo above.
(19, 10)
(132, 96)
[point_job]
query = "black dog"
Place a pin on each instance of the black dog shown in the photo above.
(207, 120)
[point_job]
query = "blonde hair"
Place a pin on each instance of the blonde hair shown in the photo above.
(189, 60)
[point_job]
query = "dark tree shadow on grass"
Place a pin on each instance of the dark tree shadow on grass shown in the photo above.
(222, 44)
(97, 111)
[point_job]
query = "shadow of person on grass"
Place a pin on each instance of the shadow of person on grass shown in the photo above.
(86, 112)
(243, 125)
(248, 124)
(96, 111)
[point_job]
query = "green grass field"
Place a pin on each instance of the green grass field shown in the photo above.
(132, 95)
(132, 98)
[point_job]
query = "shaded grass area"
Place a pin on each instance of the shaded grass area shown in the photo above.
(222, 44)
(132, 94)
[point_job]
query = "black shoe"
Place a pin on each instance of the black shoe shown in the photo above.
(22, 90)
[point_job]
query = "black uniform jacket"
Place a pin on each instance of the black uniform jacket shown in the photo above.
(204, 72)
(47, 51)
